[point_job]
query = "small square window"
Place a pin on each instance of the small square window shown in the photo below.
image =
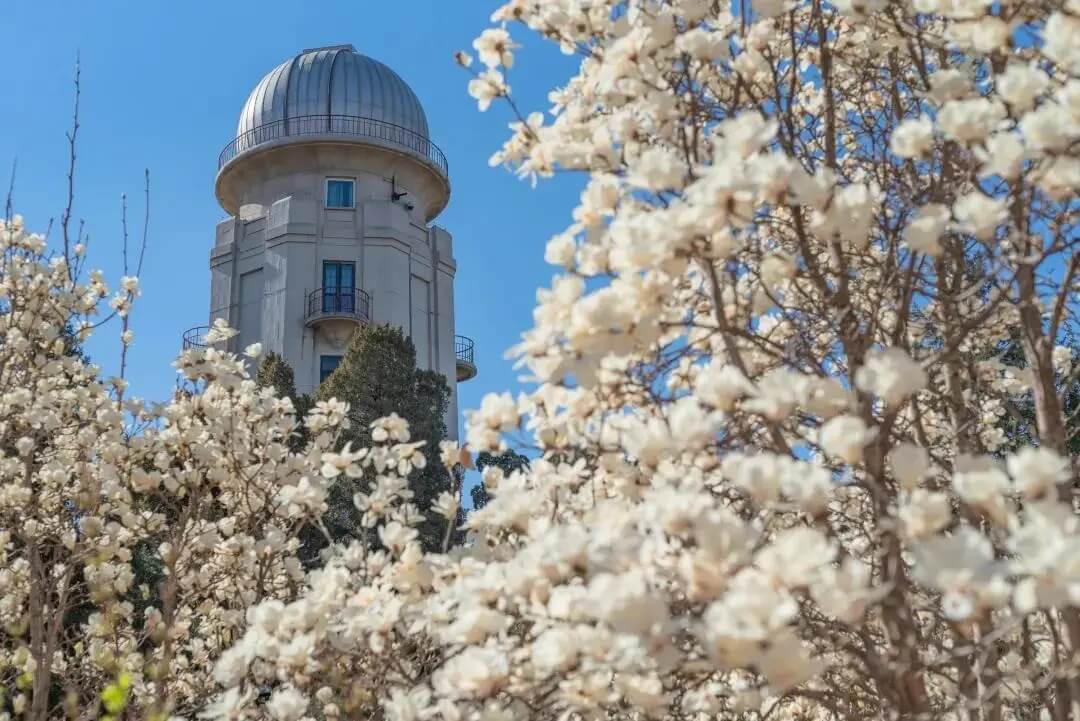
(339, 193)
(327, 365)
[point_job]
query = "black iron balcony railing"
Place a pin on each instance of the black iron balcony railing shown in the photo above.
(195, 337)
(351, 125)
(466, 363)
(339, 301)
(464, 348)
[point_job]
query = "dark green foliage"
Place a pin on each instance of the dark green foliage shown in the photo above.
(276, 373)
(1019, 423)
(509, 461)
(73, 347)
(479, 495)
(377, 377)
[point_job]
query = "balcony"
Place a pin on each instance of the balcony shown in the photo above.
(466, 363)
(195, 337)
(338, 303)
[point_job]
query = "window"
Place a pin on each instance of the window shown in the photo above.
(339, 286)
(339, 193)
(327, 365)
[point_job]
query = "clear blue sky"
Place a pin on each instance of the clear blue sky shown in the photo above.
(163, 84)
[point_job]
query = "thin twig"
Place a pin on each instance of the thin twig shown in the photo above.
(8, 214)
(72, 135)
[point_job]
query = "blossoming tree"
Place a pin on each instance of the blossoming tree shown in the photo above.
(133, 538)
(770, 481)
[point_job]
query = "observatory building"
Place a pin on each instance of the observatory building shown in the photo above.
(331, 186)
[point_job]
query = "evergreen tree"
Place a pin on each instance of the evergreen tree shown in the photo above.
(378, 376)
(274, 372)
(509, 461)
(1018, 422)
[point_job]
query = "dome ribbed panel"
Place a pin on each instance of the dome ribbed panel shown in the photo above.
(335, 81)
(345, 90)
(308, 90)
(266, 102)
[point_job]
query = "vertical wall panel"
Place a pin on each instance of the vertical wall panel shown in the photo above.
(421, 321)
(251, 296)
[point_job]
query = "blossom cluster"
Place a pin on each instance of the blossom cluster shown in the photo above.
(799, 425)
(802, 420)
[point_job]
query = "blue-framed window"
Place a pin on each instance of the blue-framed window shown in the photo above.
(340, 193)
(327, 365)
(339, 286)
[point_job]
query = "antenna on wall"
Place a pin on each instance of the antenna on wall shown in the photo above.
(395, 195)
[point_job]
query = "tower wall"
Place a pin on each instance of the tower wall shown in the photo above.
(268, 259)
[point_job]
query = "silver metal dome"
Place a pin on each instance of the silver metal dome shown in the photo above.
(333, 81)
(334, 91)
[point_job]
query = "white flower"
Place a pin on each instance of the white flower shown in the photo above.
(494, 47)
(1061, 177)
(396, 536)
(25, 445)
(555, 651)
(408, 706)
(474, 673)
(1060, 44)
(924, 513)
(1049, 127)
(794, 557)
(844, 590)
(861, 7)
(1002, 155)
(963, 568)
(923, 233)
(720, 385)
(703, 44)
(757, 475)
(1021, 84)
(748, 616)
(287, 704)
(626, 603)
(487, 86)
(968, 120)
(988, 34)
(910, 464)
(845, 437)
(980, 215)
(254, 350)
(229, 704)
(692, 426)
(1061, 358)
(474, 623)
(560, 250)
(891, 375)
(1035, 471)
(949, 84)
(980, 483)
(658, 168)
(446, 505)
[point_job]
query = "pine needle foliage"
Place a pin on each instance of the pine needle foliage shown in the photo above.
(377, 377)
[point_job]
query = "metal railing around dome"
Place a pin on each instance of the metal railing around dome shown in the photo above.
(349, 125)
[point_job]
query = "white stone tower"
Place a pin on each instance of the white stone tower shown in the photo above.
(331, 185)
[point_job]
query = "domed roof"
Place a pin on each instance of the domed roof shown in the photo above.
(333, 81)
